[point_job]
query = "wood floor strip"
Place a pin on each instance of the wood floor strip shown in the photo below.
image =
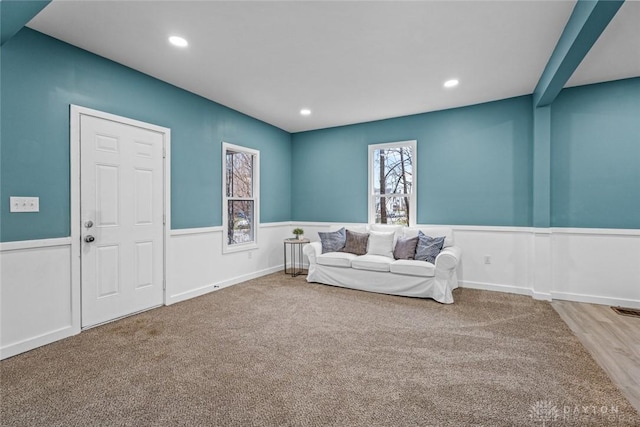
(612, 340)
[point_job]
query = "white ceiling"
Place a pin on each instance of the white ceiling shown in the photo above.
(349, 62)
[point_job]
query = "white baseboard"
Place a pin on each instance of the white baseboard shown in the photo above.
(542, 296)
(496, 287)
(37, 341)
(592, 299)
(220, 285)
(34, 244)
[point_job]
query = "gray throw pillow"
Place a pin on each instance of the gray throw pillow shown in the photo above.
(405, 248)
(356, 243)
(332, 241)
(428, 247)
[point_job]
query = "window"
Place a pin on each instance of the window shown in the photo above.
(240, 207)
(392, 187)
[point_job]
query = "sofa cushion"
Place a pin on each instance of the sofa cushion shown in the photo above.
(412, 267)
(380, 244)
(359, 228)
(356, 243)
(336, 259)
(405, 248)
(428, 247)
(371, 262)
(332, 241)
(388, 228)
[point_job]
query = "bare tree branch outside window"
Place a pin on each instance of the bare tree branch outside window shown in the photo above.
(240, 203)
(393, 184)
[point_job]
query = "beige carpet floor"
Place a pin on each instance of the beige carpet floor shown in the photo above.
(280, 351)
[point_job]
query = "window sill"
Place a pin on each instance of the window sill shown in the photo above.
(239, 247)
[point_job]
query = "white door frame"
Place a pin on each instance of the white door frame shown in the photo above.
(74, 145)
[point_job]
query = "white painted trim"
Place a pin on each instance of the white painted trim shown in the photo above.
(276, 224)
(543, 296)
(74, 144)
(592, 299)
(541, 230)
(472, 228)
(166, 169)
(220, 229)
(34, 244)
(220, 285)
(414, 170)
(500, 229)
(598, 231)
(75, 226)
(35, 342)
(481, 228)
(226, 146)
(200, 230)
(496, 287)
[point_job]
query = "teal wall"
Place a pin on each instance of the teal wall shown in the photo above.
(474, 166)
(15, 14)
(41, 76)
(595, 156)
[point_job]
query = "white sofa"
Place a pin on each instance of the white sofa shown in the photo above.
(382, 274)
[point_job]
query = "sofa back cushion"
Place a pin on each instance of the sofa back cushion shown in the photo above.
(381, 243)
(387, 228)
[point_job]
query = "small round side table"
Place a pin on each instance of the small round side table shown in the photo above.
(296, 257)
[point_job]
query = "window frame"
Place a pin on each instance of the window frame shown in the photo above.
(413, 196)
(238, 247)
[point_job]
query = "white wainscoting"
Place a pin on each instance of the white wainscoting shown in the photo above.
(587, 265)
(599, 266)
(36, 295)
(596, 266)
(196, 264)
(509, 250)
(37, 300)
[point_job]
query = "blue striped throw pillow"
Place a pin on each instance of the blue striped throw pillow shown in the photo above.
(428, 247)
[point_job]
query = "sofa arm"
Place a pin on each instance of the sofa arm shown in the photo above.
(448, 258)
(312, 250)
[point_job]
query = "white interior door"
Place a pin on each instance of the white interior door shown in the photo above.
(121, 203)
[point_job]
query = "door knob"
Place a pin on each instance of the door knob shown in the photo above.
(89, 238)
(88, 224)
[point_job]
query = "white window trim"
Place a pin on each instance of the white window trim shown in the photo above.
(414, 168)
(226, 248)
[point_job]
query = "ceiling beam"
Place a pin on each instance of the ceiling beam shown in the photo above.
(15, 14)
(588, 20)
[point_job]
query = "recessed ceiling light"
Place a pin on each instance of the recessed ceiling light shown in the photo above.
(178, 41)
(305, 112)
(451, 83)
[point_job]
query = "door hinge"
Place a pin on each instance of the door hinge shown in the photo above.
(164, 219)
(164, 153)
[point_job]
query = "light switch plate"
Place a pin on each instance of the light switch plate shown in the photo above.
(24, 204)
